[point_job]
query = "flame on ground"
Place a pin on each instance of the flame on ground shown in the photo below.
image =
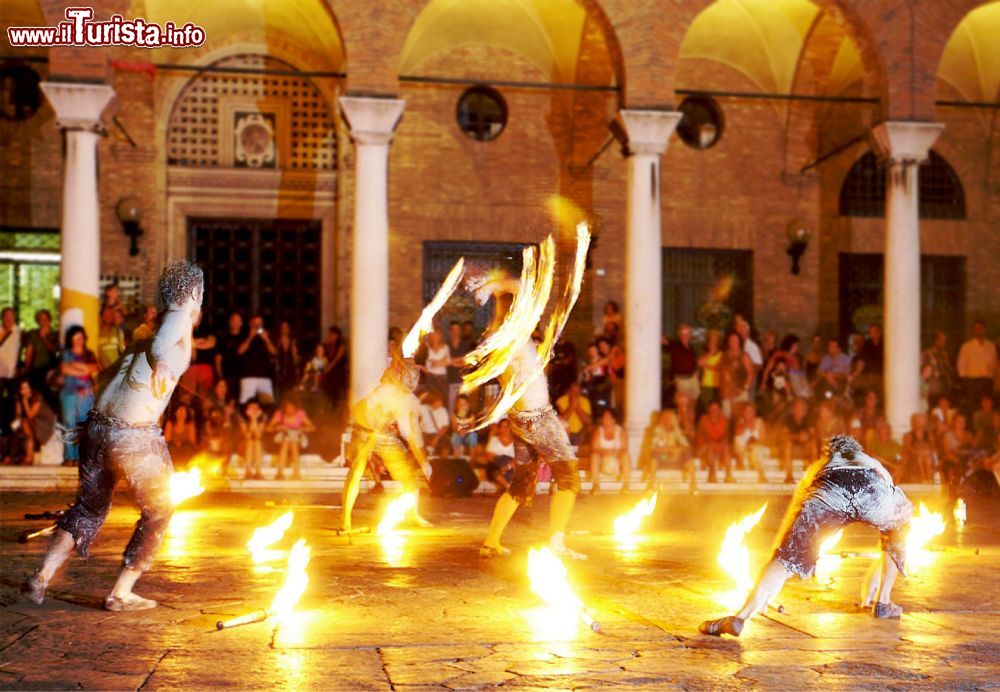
(296, 580)
(924, 526)
(185, 485)
(829, 561)
(734, 558)
(425, 323)
(549, 581)
(266, 536)
(959, 513)
(627, 525)
(396, 512)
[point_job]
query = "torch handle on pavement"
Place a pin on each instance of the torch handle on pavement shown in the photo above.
(249, 618)
(589, 621)
(28, 535)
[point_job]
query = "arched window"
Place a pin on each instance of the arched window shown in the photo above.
(941, 195)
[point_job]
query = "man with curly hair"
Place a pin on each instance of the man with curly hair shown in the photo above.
(122, 438)
(843, 487)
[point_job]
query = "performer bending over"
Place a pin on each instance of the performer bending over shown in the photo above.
(536, 424)
(385, 423)
(843, 487)
(122, 438)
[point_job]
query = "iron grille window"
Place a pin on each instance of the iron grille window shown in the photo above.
(481, 113)
(20, 95)
(706, 288)
(941, 194)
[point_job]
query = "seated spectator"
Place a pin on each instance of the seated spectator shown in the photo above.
(33, 425)
(314, 371)
(798, 440)
(834, 369)
(828, 423)
(667, 444)
(883, 447)
(435, 421)
(218, 436)
(918, 452)
(748, 441)
(982, 425)
(684, 406)
(713, 442)
(500, 456)
(609, 452)
(291, 424)
(926, 374)
(574, 410)
(954, 446)
(778, 393)
(863, 421)
(463, 440)
(943, 411)
(181, 436)
(252, 426)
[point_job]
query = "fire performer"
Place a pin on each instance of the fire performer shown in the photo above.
(122, 438)
(536, 424)
(844, 486)
(385, 424)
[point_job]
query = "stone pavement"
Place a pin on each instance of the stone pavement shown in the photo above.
(425, 611)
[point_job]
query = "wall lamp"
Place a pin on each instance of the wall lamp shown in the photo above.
(129, 212)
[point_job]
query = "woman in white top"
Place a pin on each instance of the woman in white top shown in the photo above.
(436, 366)
(609, 452)
(748, 441)
(667, 443)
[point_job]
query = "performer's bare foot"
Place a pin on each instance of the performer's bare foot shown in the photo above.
(33, 588)
(887, 611)
(420, 521)
(727, 625)
(557, 546)
(489, 551)
(128, 602)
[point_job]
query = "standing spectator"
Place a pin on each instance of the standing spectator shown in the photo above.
(79, 368)
(41, 347)
(288, 360)
(977, 365)
(227, 353)
(457, 348)
(748, 441)
(713, 442)
(833, 371)
(563, 370)
(710, 363)
(942, 377)
(575, 411)
(737, 374)
(435, 421)
(611, 322)
(334, 380)
(596, 379)
(812, 359)
(257, 367)
(34, 421)
(616, 368)
(798, 438)
(855, 342)
(112, 297)
(110, 338)
(768, 345)
(147, 328)
(200, 375)
(868, 365)
(463, 440)
(609, 452)
(10, 354)
(742, 328)
(436, 368)
(469, 332)
(684, 363)
(314, 371)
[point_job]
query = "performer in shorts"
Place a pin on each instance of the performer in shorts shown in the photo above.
(845, 486)
(122, 438)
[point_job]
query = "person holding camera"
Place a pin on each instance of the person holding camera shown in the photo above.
(257, 368)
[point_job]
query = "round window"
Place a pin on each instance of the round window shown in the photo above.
(20, 96)
(702, 124)
(481, 113)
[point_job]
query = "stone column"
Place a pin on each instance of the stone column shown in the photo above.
(905, 145)
(372, 122)
(648, 132)
(78, 110)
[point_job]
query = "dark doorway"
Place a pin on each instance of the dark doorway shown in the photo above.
(440, 257)
(265, 266)
(706, 288)
(942, 294)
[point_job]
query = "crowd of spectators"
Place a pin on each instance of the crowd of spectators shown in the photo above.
(732, 398)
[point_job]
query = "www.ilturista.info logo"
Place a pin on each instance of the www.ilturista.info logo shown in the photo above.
(79, 29)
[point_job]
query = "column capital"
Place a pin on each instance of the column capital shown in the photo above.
(906, 142)
(372, 120)
(78, 106)
(649, 130)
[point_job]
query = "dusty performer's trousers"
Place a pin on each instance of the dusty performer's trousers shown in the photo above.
(111, 449)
